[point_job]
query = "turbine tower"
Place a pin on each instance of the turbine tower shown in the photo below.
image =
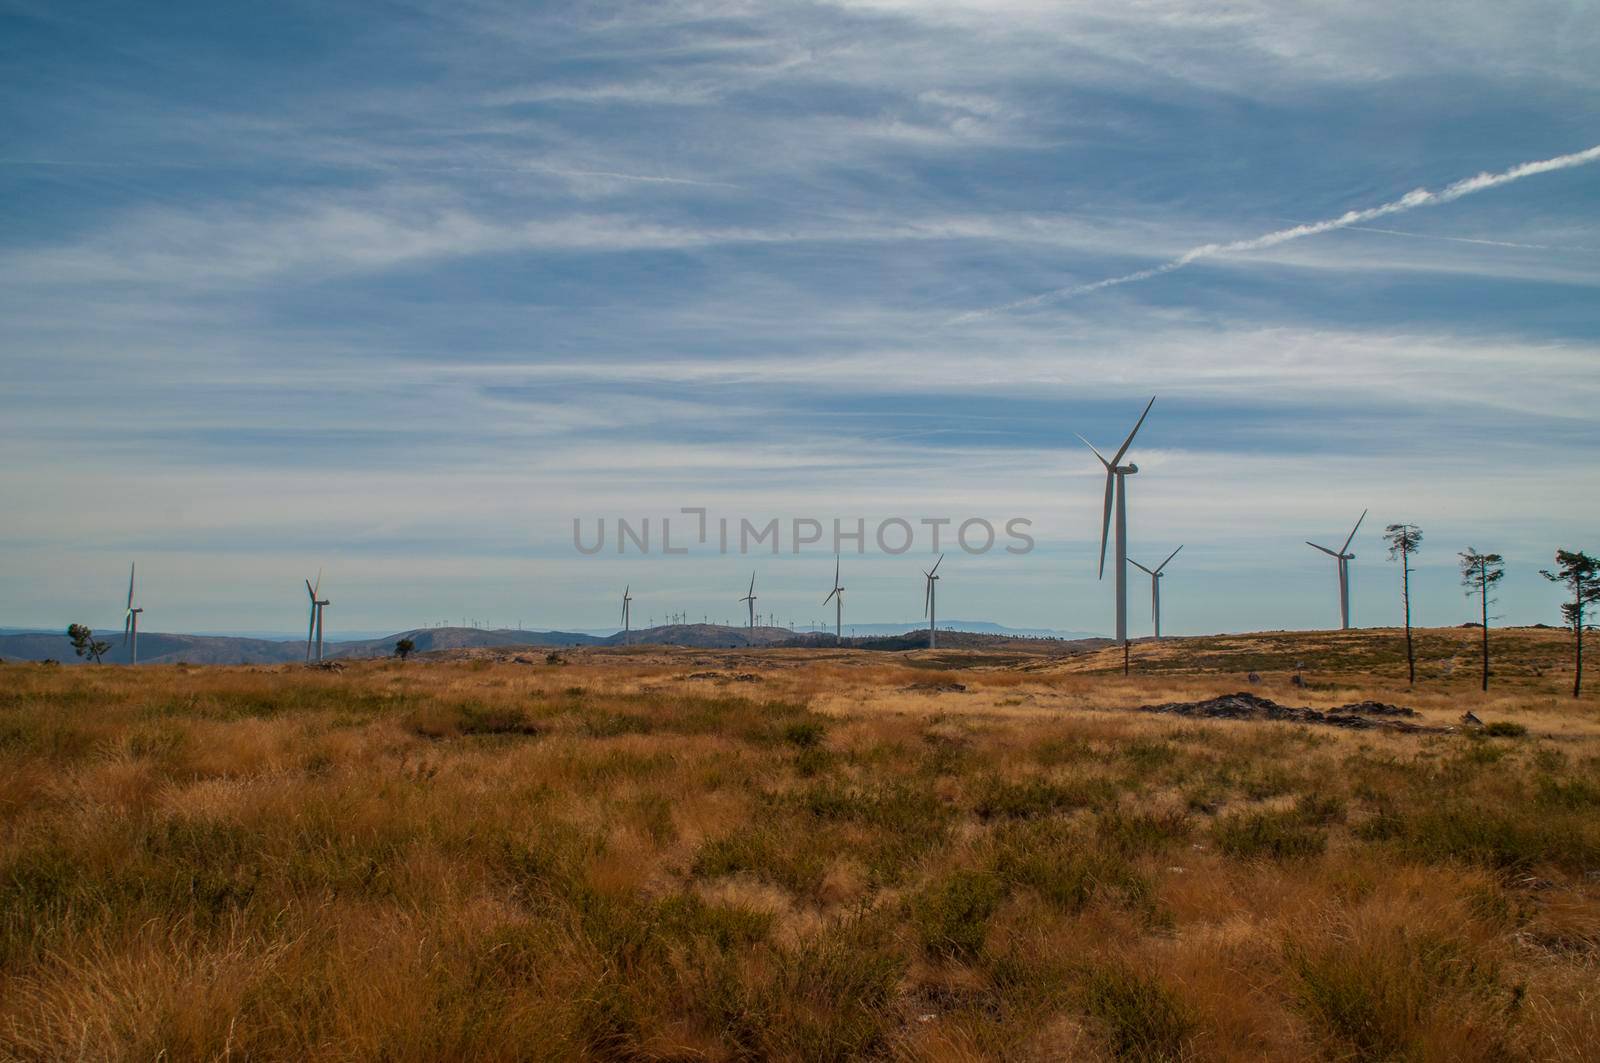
(1155, 587)
(931, 576)
(1117, 490)
(130, 622)
(314, 627)
(750, 600)
(627, 610)
(1344, 557)
(837, 597)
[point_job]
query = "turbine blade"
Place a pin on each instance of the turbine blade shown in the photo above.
(1169, 558)
(1097, 454)
(752, 583)
(1126, 443)
(130, 585)
(829, 598)
(1352, 534)
(127, 625)
(937, 563)
(927, 598)
(1105, 523)
(1140, 567)
(311, 592)
(318, 587)
(1324, 549)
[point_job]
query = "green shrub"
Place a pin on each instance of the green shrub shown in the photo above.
(951, 915)
(1136, 833)
(804, 733)
(1278, 835)
(1141, 1018)
(997, 798)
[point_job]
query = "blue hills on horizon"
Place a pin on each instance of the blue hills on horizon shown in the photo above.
(36, 644)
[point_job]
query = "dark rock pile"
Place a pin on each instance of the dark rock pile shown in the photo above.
(1247, 706)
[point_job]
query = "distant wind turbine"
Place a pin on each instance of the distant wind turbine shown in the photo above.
(130, 622)
(1117, 490)
(1344, 557)
(1155, 587)
(750, 600)
(931, 576)
(627, 610)
(314, 627)
(837, 597)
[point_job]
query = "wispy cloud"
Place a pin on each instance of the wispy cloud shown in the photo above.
(1420, 197)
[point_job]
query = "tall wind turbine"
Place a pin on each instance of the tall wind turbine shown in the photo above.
(837, 597)
(1117, 490)
(627, 610)
(1344, 557)
(130, 622)
(750, 600)
(314, 627)
(1155, 586)
(931, 576)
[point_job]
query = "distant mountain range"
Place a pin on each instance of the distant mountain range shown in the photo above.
(161, 648)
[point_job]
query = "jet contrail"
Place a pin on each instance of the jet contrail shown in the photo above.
(1420, 197)
(1464, 239)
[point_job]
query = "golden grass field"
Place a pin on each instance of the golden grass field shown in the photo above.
(841, 857)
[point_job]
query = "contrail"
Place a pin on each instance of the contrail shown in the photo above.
(1465, 239)
(1420, 197)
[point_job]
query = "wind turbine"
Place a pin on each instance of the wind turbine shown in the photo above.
(931, 577)
(1117, 488)
(837, 597)
(314, 627)
(750, 600)
(130, 622)
(627, 610)
(1344, 558)
(1155, 586)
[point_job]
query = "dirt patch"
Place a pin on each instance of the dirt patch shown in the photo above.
(1361, 715)
(725, 677)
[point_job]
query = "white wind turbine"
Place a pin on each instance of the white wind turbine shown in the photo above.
(1344, 557)
(315, 625)
(1117, 490)
(1155, 587)
(931, 577)
(130, 622)
(837, 597)
(750, 600)
(627, 611)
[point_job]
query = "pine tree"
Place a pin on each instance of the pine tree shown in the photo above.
(1582, 573)
(1404, 540)
(1479, 574)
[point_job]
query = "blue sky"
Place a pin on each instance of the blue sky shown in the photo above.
(398, 290)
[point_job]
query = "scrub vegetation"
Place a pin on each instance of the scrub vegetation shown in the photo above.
(676, 855)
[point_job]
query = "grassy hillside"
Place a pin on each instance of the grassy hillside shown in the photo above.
(688, 854)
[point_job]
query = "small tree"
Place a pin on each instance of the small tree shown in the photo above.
(1403, 540)
(84, 644)
(1479, 574)
(403, 648)
(1582, 573)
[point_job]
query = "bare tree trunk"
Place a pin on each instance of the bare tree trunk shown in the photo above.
(1405, 593)
(1483, 575)
(1577, 671)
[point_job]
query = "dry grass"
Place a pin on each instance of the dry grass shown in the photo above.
(606, 859)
